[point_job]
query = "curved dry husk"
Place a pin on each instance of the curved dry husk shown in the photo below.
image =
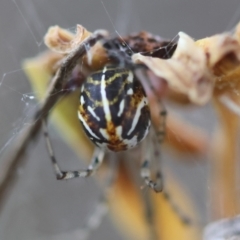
(225, 156)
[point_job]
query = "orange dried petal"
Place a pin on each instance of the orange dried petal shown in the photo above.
(62, 41)
(186, 72)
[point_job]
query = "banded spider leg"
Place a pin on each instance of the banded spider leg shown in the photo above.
(96, 160)
(157, 139)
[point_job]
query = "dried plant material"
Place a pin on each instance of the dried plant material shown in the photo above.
(62, 41)
(224, 187)
(225, 146)
(186, 72)
(223, 53)
(178, 98)
(223, 58)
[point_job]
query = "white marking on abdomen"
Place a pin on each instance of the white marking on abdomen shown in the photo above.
(82, 101)
(137, 115)
(104, 97)
(93, 113)
(104, 69)
(121, 107)
(130, 91)
(86, 126)
(131, 142)
(104, 133)
(130, 77)
(119, 132)
(82, 88)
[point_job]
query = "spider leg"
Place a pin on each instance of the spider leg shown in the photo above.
(161, 128)
(157, 156)
(154, 152)
(96, 161)
(157, 185)
(145, 172)
(157, 139)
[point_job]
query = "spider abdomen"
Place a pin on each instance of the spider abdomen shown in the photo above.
(113, 109)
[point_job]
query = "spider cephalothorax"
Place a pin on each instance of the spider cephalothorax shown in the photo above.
(143, 42)
(114, 109)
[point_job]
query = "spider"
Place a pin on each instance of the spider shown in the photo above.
(113, 107)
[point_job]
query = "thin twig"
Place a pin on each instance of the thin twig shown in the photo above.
(15, 156)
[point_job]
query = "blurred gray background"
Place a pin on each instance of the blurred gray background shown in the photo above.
(39, 207)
